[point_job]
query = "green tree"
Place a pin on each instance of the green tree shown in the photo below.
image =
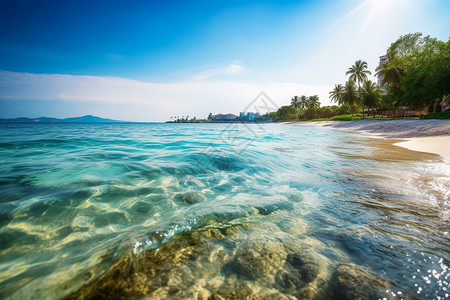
(337, 93)
(285, 113)
(312, 104)
(391, 74)
(303, 103)
(358, 73)
(344, 109)
(423, 65)
(295, 103)
(350, 96)
(371, 95)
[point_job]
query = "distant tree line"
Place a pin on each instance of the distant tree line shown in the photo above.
(304, 108)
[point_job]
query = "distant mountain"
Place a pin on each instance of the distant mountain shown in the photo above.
(83, 119)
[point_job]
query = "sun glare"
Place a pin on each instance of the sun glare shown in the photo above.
(380, 5)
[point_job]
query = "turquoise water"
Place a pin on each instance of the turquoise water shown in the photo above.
(185, 211)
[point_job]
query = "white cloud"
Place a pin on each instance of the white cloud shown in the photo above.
(160, 100)
(220, 72)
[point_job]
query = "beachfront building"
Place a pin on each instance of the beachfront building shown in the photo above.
(225, 117)
(251, 116)
(438, 107)
(248, 117)
(383, 60)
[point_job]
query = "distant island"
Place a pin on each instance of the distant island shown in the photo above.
(83, 119)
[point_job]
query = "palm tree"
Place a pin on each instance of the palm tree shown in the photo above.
(303, 103)
(337, 93)
(391, 74)
(312, 104)
(295, 103)
(358, 72)
(371, 95)
(350, 96)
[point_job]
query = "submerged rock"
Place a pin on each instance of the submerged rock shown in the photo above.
(351, 282)
(190, 198)
(299, 270)
(235, 291)
(171, 271)
(306, 265)
(258, 256)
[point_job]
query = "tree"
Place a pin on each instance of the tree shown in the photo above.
(285, 113)
(350, 96)
(295, 103)
(427, 75)
(371, 95)
(337, 93)
(358, 72)
(210, 117)
(422, 64)
(303, 103)
(391, 73)
(312, 104)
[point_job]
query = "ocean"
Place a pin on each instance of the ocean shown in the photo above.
(219, 211)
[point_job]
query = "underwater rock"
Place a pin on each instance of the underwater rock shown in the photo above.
(273, 296)
(306, 265)
(203, 294)
(260, 255)
(142, 207)
(288, 280)
(211, 233)
(298, 197)
(170, 271)
(299, 270)
(351, 282)
(272, 207)
(234, 291)
(190, 198)
(111, 218)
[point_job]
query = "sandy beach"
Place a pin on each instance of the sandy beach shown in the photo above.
(432, 136)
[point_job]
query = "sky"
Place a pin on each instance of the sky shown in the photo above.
(153, 60)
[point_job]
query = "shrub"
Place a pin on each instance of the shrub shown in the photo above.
(345, 118)
(438, 115)
(320, 119)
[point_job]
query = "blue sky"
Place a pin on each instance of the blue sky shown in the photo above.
(149, 60)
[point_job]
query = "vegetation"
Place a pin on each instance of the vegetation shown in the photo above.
(358, 73)
(417, 72)
(345, 118)
(438, 115)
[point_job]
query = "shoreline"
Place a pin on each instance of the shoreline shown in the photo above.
(431, 144)
(430, 136)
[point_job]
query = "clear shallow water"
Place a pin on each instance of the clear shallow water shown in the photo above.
(197, 210)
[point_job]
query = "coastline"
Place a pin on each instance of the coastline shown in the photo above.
(430, 136)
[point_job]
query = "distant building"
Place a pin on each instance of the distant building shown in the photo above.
(225, 117)
(249, 116)
(383, 60)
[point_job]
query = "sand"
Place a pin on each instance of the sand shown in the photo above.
(434, 144)
(432, 136)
